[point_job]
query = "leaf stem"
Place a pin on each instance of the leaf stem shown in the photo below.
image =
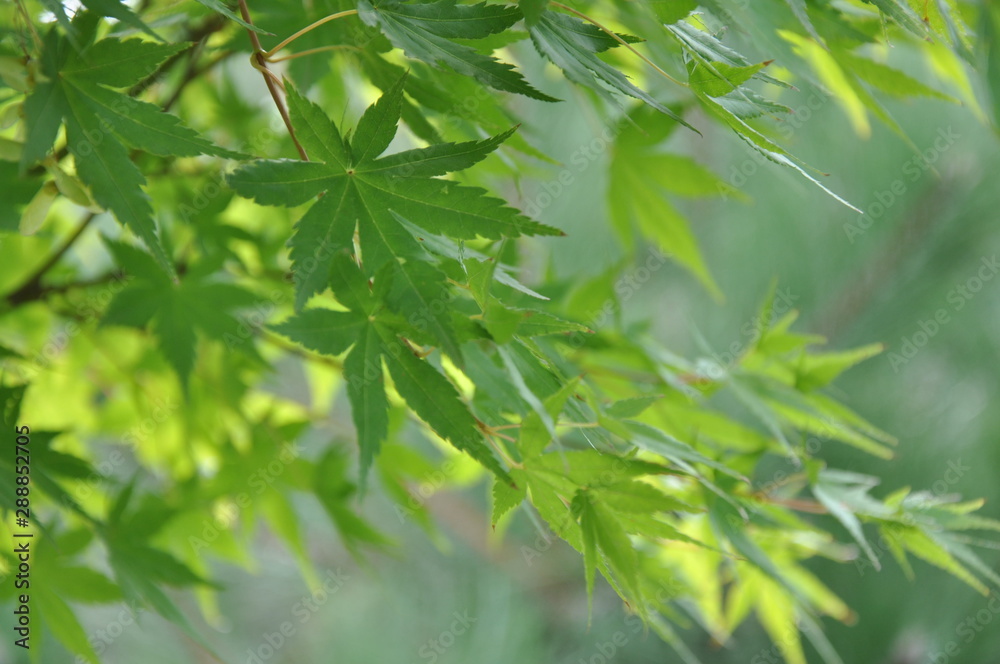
(614, 35)
(31, 289)
(31, 26)
(311, 51)
(309, 28)
(272, 81)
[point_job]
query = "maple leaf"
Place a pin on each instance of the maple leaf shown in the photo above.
(375, 196)
(573, 45)
(425, 31)
(176, 310)
(101, 123)
(368, 329)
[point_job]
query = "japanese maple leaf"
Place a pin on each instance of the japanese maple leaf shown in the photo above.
(359, 191)
(177, 310)
(102, 123)
(370, 330)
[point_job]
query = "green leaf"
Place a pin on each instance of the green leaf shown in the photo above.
(800, 10)
(672, 11)
(539, 323)
(434, 399)
(634, 199)
(441, 158)
(101, 122)
(122, 12)
(627, 408)
(334, 492)
(564, 40)
(901, 12)
(507, 496)
(923, 546)
(889, 80)
(379, 197)
(120, 63)
(177, 310)
(82, 584)
(652, 439)
(840, 510)
(602, 528)
(218, 6)
(115, 183)
(718, 78)
(59, 618)
(815, 370)
(583, 509)
(43, 111)
(532, 10)
(315, 132)
(143, 126)
(322, 330)
(424, 31)
(366, 391)
(317, 237)
(706, 47)
(420, 293)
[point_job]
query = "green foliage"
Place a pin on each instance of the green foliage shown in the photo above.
(400, 289)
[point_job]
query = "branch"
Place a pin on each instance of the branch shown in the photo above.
(270, 79)
(197, 35)
(32, 289)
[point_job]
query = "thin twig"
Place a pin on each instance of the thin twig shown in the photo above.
(311, 51)
(191, 74)
(32, 287)
(306, 30)
(272, 87)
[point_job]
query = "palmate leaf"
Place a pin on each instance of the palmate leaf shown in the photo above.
(572, 45)
(176, 311)
(101, 124)
(425, 31)
(638, 179)
(140, 569)
(901, 12)
(376, 197)
(367, 330)
(120, 11)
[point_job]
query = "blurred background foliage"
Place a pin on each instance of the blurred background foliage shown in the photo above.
(402, 596)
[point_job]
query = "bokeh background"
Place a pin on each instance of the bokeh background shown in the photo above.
(468, 594)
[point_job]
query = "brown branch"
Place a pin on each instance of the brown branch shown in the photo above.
(197, 35)
(269, 79)
(192, 73)
(31, 289)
